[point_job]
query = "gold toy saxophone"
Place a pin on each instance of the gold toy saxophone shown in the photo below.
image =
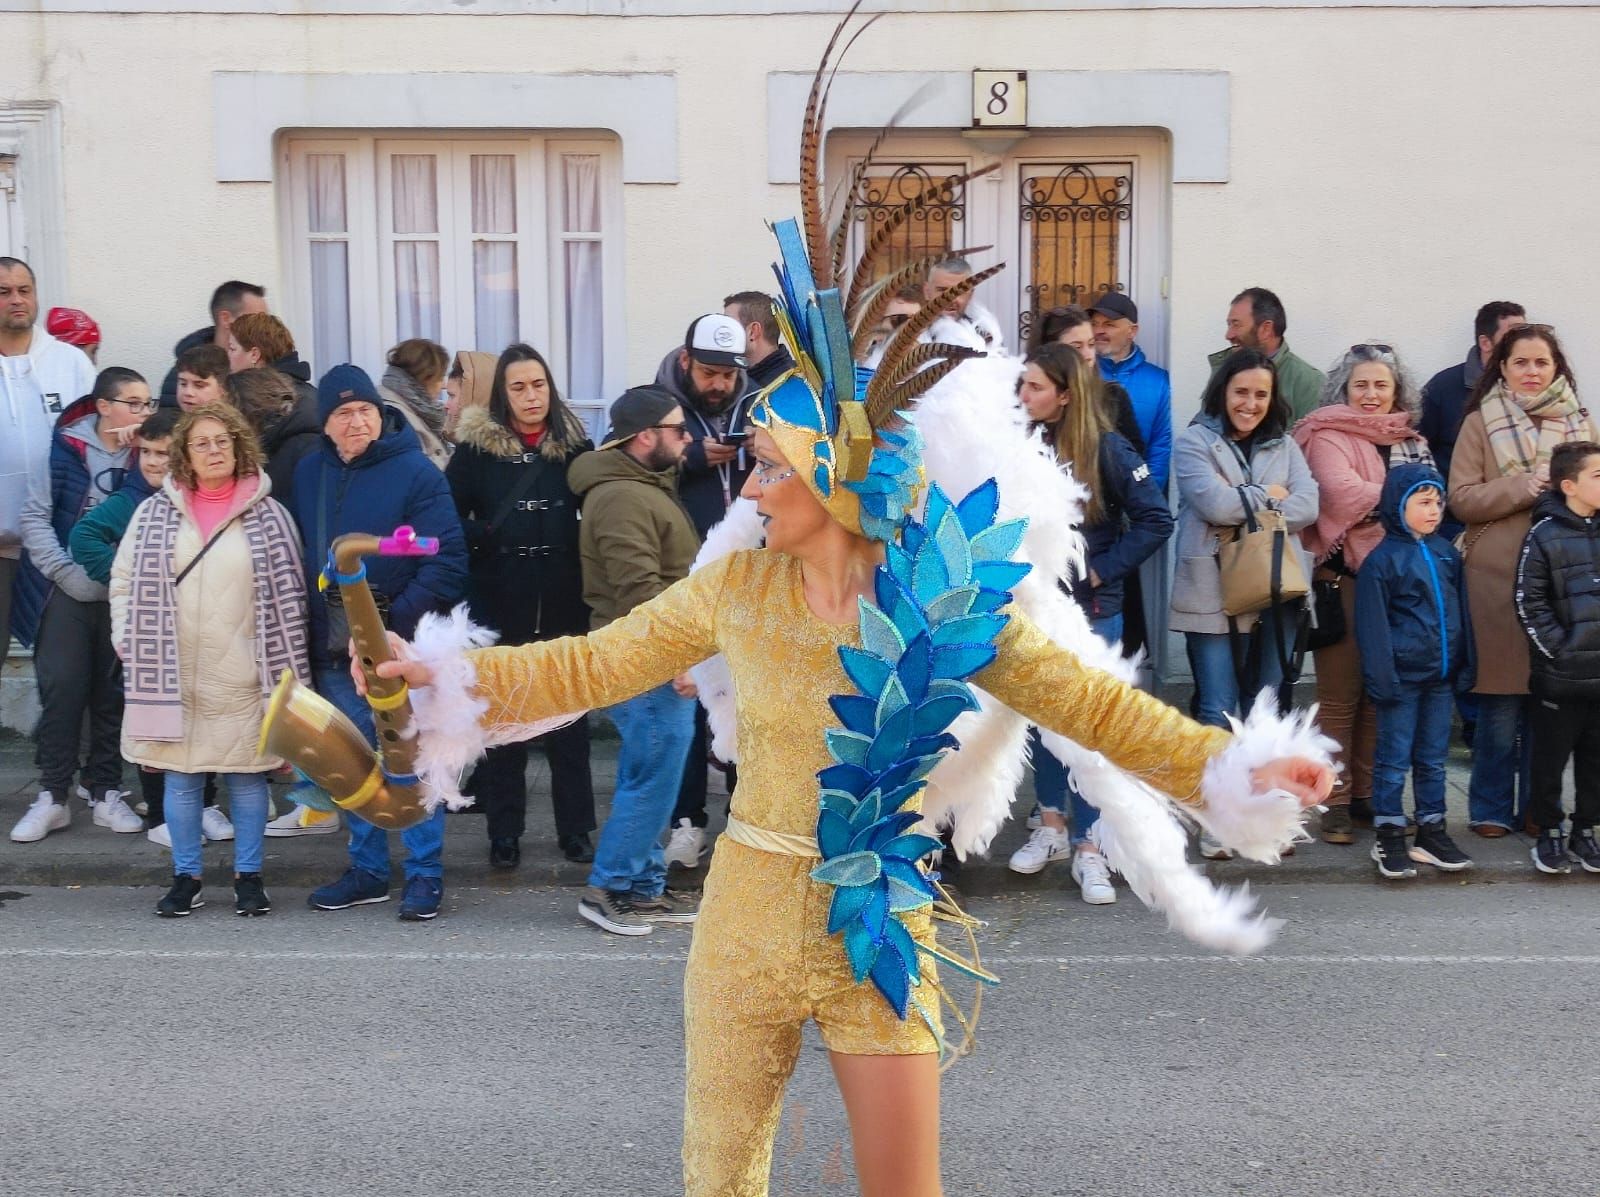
(319, 740)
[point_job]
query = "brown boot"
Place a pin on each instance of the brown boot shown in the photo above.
(1337, 827)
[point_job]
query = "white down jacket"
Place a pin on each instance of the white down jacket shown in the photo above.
(218, 674)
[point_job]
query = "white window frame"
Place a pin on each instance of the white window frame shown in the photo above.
(541, 315)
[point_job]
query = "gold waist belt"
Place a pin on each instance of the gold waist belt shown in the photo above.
(777, 842)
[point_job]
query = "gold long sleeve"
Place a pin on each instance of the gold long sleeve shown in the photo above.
(652, 644)
(1138, 733)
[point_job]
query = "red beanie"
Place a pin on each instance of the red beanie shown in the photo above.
(73, 327)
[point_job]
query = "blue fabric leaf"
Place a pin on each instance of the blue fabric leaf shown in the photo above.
(952, 604)
(876, 911)
(903, 897)
(857, 712)
(834, 834)
(848, 748)
(906, 873)
(1000, 575)
(999, 542)
(915, 669)
(928, 748)
(930, 577)
(990, 600)
(909, 847)
(867, 812)
(879, 635)
(853, 868)
(889, 827)
(890, 743)
(891, 800)
(938, 507)
(979, 508)
(847, 904)
(860, 950)
(962, 660)
(937, 714)
(911, 538)
(868, 672)
(898, 940)
(953, 547)
(891, 975)
(893, 699)
(976, 630)
(850, 779)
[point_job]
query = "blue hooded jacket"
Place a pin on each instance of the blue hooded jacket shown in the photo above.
(390, 484)
(1149, 389)
(1411, 600)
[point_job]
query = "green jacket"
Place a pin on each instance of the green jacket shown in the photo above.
(635, 538)
(1300, 381)
(94, 539)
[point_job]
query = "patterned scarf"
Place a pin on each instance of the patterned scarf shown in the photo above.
(1524, 430)
(149, 648)
(423, 405)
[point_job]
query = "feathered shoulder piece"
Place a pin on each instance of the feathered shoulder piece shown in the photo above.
(846, 429)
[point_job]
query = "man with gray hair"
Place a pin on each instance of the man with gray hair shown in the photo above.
(966, 321)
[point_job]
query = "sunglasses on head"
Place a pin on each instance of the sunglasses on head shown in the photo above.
(1371, 347)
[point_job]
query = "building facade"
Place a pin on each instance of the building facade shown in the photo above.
(587, 175)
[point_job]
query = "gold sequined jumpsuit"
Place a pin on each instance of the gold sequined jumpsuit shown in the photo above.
(761, 962)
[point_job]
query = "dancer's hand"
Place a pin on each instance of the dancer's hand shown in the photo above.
(415, 674)
(683, 686)
(1308, 780)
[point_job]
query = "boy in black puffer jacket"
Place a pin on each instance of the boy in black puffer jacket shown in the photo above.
(1416, 652)
(1558, 602)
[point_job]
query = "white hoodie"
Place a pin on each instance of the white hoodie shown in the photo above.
(35, 388)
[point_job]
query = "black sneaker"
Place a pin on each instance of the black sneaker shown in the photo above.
(1550, 853)
(505, 853)
(182, 899)
(669, 906)
(1390, 853)
(1434, 847)
(1581, 844)
(612, 910)
(250, 896)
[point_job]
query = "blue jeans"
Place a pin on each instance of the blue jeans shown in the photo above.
(1216, 677)
(1052, 781)
(1414, 733)
(369, 845)
(1498, 792)
(655, 728)
(247, 801)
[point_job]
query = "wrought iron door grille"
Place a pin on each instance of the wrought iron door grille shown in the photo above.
(1075, 227)
(930, 230)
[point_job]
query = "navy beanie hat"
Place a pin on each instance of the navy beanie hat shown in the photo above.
(345, 384)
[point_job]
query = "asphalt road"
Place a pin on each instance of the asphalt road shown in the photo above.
(1423, 1040)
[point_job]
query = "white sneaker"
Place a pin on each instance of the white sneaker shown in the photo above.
(214, 824)
(159, 835)
(302, 820)
(686, 845)
(43, 817)
(1043, 846)
(114, 812)
(1213, 849)
(1093, 875)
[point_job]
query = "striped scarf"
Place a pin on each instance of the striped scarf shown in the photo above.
(1524, 430)
(149, 647)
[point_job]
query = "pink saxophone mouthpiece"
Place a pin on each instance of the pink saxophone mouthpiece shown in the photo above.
(404, 542)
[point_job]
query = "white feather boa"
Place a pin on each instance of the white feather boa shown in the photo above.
(446, 713)
(974, 431)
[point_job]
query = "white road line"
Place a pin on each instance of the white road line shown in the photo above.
(623, 956)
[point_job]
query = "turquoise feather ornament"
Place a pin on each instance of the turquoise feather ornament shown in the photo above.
(932, 625)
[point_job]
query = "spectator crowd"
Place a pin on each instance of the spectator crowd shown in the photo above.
(1432, 550)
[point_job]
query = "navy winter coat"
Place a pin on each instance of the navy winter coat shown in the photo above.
(1558, 600)
(1412, 622)
(392, 483)
(1136, 523)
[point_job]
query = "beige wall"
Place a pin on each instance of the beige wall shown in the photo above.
(1391, 168)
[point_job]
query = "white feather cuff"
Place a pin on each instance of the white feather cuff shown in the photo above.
(1254, 824)
(448, 714)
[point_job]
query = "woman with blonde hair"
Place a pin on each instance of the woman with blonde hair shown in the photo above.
(208, 608)
(1125, 520)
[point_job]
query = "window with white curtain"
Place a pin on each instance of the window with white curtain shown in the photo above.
(472, 242)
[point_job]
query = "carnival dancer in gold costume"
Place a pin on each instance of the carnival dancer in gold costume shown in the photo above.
(854, 639)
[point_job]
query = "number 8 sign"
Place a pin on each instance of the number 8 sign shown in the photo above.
(999, 99)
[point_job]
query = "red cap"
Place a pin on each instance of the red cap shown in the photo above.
(72, 326)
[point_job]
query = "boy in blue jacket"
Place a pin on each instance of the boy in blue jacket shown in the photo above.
(1416, 652)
